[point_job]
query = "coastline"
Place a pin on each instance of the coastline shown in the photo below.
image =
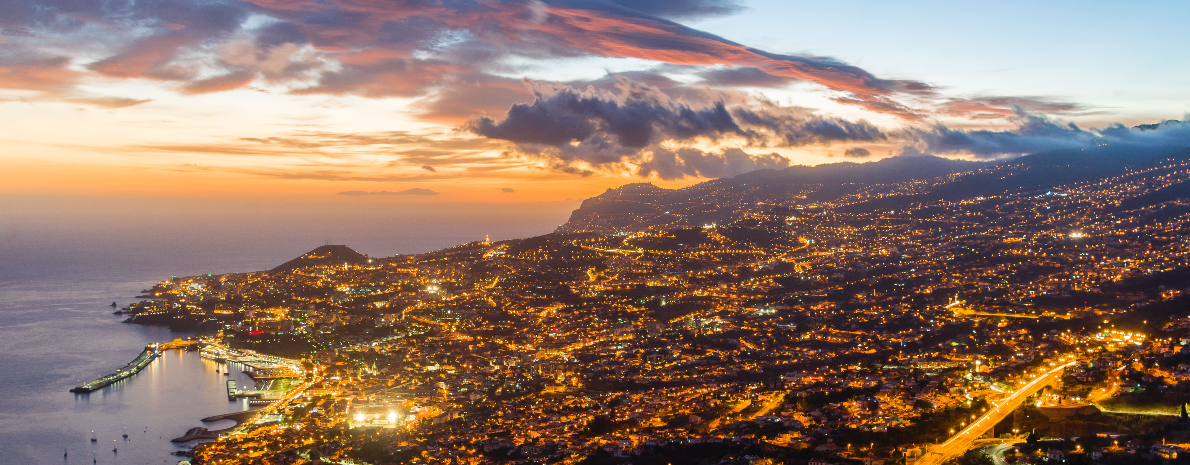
(54, 335)
(200, 433)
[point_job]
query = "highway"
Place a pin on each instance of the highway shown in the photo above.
(959, 443)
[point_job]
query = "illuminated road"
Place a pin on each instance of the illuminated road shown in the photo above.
(968, 312)
(959, 443)
(1109, 391)
(997, 453)
(279, 405)
(775, 401)
(737, 409)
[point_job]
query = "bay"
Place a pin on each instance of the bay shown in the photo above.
(54, 339)
(62, 262)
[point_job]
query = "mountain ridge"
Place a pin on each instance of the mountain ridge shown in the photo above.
(890, 183)
(622, 207)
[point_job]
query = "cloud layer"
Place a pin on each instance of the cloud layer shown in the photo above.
(1035, 133)
(635, 127)
(695, 112)
(447, 52)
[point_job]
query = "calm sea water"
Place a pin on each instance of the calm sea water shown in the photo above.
(62, 265)
(53, 336)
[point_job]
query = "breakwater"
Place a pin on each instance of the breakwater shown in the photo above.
(135, 366)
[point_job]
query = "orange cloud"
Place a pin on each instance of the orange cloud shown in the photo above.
(109, 102)
(463, 98)
(45, 74)
(1000, 107)
(148, 57)
(447, 52)
(233, 80)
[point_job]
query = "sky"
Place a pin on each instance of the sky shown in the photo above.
(424, 102)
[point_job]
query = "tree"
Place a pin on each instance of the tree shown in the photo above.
(598, 426)
(612, 404)
(972, 457)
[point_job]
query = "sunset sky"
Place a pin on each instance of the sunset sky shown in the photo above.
(423, 101)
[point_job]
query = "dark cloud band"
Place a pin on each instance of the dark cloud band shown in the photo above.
(413, 191)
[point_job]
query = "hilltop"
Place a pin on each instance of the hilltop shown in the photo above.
(325, 256)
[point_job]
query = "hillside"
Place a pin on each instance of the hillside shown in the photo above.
(643, 206)
(889, 184)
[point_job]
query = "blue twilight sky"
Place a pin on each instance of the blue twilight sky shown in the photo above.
(1127, 59)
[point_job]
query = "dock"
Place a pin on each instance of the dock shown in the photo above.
(266, 365)
(135, 366)
(277, 372)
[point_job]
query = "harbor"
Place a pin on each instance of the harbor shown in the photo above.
(215, 365)
(272, 380)
(271, 374)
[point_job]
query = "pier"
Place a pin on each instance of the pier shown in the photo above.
(135, 366)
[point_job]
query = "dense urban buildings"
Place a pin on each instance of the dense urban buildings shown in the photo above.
(1032, 307)
(800, 232)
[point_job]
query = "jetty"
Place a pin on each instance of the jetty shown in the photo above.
(135, 366)
(194, 434)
